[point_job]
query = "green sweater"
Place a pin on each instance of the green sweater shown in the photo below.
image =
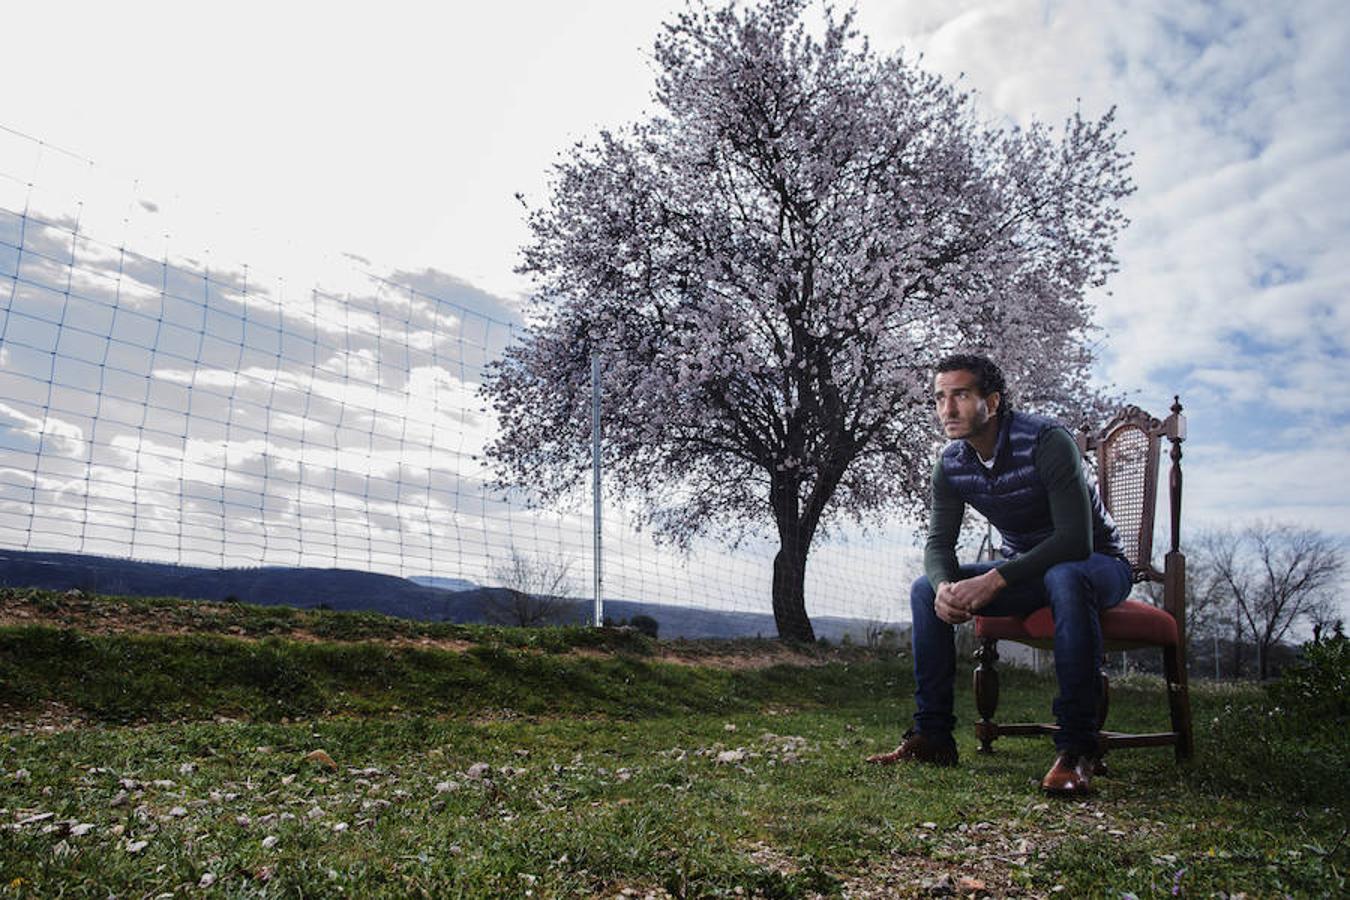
(1060, 468)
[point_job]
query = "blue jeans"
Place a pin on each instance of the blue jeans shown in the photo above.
(1076, 593)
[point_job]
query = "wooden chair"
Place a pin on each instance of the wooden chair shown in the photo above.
(1126, 452)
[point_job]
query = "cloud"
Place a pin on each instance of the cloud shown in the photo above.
(1233, 273)
(1228, 485)
(449, 290)
(192, 412)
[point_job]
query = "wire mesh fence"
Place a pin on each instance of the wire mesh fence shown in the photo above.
(156, 405)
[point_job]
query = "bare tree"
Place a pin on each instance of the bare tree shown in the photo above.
(880, 635)
(1207, 612)
(538, 591)
(1276, 575)
(1326, 620)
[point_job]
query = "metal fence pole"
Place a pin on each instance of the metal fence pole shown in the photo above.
(595, 481)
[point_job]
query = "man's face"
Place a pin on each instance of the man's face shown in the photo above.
(961, 411)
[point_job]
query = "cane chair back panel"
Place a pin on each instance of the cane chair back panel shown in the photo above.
(1127, 471)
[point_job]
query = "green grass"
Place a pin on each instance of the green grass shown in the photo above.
(139, 677)
(603, 775)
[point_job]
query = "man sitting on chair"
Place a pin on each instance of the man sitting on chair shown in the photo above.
(1024, 474)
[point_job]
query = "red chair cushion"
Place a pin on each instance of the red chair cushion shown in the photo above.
(1133, 623)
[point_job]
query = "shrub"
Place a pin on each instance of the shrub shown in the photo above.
(1289, 739)
(645, 624)
(1318, 685)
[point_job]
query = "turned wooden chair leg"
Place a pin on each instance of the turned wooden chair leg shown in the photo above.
(1178, 701)
(986, 694)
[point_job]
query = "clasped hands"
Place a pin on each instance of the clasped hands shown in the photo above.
(958, 601)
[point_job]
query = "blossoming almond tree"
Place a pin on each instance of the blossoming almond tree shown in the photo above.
(767, 267)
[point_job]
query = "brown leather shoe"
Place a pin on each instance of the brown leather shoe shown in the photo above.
(1070, 776)
(917, 747)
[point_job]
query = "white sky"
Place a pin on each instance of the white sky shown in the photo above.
(401, 135)
(401, 131)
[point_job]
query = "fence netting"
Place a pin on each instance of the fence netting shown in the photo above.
(159, 404)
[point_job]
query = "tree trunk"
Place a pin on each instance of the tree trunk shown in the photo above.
(789, 592)
(789, 564)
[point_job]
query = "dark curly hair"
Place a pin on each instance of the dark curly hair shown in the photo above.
(983, 368)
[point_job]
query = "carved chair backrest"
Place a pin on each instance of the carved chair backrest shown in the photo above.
(1126, 454)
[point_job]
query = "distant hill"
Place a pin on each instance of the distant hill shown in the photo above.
(422, 597)
(341, 589)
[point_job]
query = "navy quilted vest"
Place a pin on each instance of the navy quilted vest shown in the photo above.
(1011, 495)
